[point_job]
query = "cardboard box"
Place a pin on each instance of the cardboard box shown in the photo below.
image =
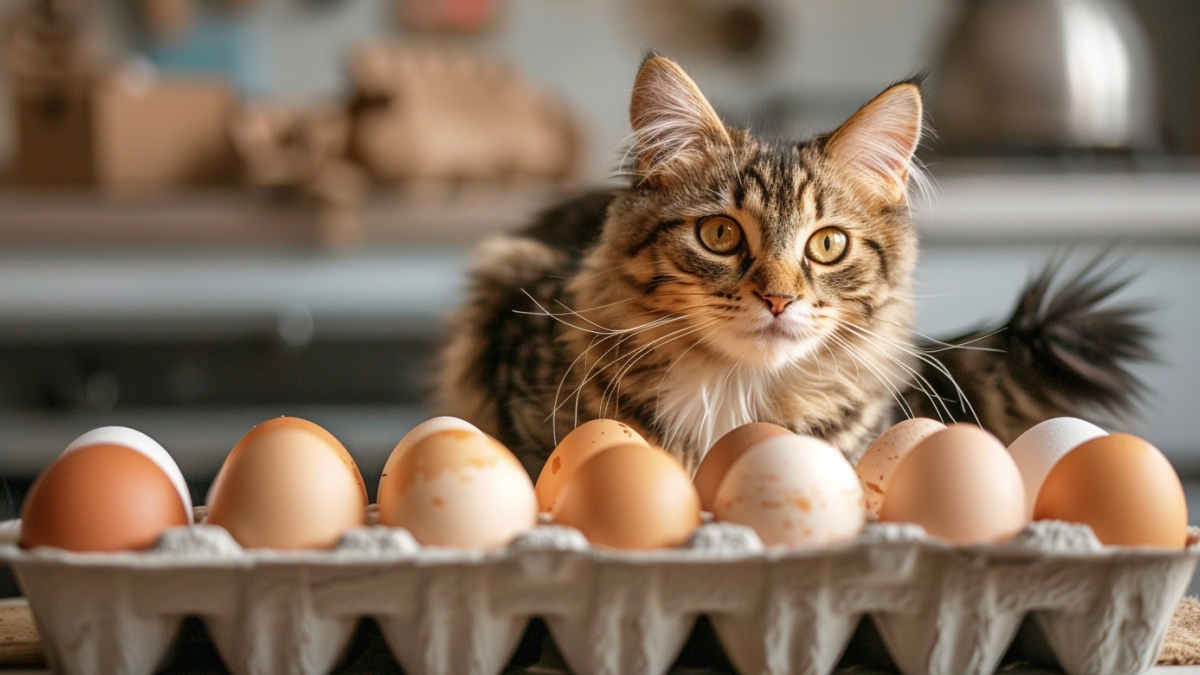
(123, 133)
(938, 608)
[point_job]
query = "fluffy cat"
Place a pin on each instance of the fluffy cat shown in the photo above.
(739, 279)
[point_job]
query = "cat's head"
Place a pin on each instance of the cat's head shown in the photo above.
(769, 248)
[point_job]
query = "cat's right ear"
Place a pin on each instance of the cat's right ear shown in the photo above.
(674, 126)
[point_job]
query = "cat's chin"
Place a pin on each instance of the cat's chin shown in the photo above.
(769, 349)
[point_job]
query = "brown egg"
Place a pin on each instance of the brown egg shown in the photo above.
(885, 454)
(630, 497)
(1122, 487)
(960, 484)
(583, 442)
(725, 452)
(288, 484)
(101, 498)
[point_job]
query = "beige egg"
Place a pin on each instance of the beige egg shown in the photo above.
(630, 496)
(795, 491)
(1122, 487)
(576, 448)
(461, 489)
(725, 452)
(418, 433)
(288, 484)
(961, 485)
(884, 455)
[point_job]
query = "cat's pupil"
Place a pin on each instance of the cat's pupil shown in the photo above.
(828, 242)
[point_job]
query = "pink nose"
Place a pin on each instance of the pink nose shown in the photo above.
(777, 303)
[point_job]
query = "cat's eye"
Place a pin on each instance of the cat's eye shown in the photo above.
(719, 234)
(827, 245)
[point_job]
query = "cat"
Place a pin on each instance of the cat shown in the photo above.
(738, 279)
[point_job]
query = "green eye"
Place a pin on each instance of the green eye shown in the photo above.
(719, 234)
(827, 245)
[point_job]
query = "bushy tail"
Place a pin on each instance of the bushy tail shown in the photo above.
(1060, 353)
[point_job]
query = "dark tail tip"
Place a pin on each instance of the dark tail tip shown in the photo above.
(1066, 343)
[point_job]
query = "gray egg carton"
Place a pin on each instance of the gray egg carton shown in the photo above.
(937, 608)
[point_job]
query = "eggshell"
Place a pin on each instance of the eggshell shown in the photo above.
(725, 452)
(288, 484)
(101, 497)
(270, 425)
(1037, 450)
(961, 485)
(577, 447)
(793, 490)
(418, 433)
(630, 496)
(877, 464)
(1122, 487)
(136, 440)
(459, 488)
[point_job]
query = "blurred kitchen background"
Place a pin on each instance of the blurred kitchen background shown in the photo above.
(218, 211)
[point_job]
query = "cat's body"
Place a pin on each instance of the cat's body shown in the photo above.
(739, 280)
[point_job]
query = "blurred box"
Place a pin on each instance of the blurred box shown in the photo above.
(123, 133)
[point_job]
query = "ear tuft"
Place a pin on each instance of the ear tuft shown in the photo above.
(673, 124)
(876, 145)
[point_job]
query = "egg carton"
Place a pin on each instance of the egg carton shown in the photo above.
(937, 608)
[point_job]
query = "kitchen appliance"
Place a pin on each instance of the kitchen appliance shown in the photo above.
(1046, 76)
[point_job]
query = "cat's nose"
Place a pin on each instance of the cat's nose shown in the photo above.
(776, 303)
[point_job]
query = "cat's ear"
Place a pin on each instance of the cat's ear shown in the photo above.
(876, 145)
(674, 126)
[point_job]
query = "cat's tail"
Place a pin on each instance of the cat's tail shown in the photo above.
(1062, 352)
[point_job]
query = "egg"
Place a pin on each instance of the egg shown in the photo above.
(101, 497)
(877, 464)
(795, 491)
(961, 485)
(459, 488)
(630, 496)
(582, 443)
(1122, 487)
(418, 433)
(288, 484)
(1037, 451)
(136, 440)
(725, 452)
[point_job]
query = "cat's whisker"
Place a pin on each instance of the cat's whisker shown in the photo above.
(601, 330)
(874, 369)
(919, 381)
(947, 346)
(640, 353)
(553, 416)
(588, 375)
(964, 402)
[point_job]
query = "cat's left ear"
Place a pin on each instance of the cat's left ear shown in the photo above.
(876, 145)
(674, 126)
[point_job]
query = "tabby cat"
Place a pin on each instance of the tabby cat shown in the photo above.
(739, 279)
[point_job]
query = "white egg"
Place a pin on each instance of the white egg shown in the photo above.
(136, 440)
(793, 491)
(1037, 450)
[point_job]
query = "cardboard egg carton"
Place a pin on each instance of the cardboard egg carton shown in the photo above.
(938, 608)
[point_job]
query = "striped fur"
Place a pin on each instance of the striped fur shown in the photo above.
(611, 305)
